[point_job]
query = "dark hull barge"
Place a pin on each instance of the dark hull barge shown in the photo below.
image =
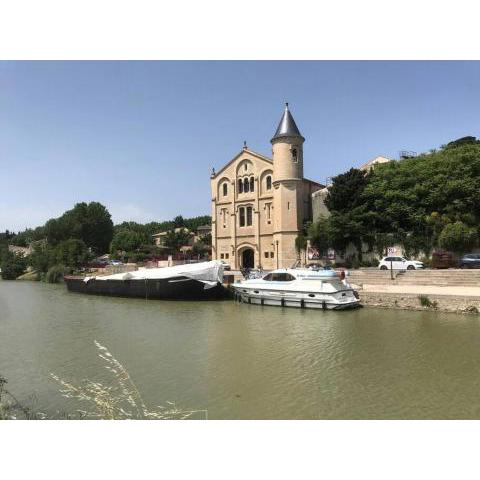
(184, 282)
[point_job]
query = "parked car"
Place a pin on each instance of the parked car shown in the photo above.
(399, 263)
(443, 259)
(470, 260)
(97, 264)
(116, 263)
(226, 266)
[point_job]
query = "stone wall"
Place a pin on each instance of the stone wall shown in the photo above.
(441, 303)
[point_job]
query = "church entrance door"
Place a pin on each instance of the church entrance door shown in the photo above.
(248, 258)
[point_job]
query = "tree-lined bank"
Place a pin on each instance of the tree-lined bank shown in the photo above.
(67, 243)
(421, 203)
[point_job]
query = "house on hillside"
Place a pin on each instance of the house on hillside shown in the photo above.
(318, 197)
(23, 251)
(193, 237)
(370, 165)
(202, 231)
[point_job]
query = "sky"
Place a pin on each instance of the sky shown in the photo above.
(142, 137)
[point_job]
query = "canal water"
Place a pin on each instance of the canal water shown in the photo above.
(242, 361)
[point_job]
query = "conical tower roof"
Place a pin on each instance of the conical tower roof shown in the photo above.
(287, 126)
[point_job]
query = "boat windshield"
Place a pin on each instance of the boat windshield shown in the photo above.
(279, 277)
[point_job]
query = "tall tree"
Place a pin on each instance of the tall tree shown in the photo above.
(346, 190)
(89, 222)
(320, 235)
(12, 265)
(177, 239)
(178, 221)
(126, 240)
(72, 253)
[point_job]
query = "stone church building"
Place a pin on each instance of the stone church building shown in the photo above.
(259, 204)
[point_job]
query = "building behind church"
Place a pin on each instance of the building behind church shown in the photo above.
(260, 204)
(318, 198)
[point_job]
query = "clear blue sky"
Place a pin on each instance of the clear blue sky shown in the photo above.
(141, 137)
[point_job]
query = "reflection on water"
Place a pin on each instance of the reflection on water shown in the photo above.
(244, 361)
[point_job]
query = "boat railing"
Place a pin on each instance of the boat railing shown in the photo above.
(250, 273)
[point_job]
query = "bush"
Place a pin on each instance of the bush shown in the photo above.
(136, 257)
(426, 302)
(457, 237)
(12, 265)
(426, 261)
(369, 263)
(55, 274)
(126, 240)
(200, 248)
(73, 253)
(355, 263)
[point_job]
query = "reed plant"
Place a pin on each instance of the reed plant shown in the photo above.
(116, 399)
(119, 398)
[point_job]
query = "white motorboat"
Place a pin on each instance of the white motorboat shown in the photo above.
(303, 288)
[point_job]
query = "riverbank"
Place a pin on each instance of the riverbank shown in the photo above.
(421, 302)
(452, 290)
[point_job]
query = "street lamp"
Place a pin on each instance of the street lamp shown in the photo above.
(276, 241)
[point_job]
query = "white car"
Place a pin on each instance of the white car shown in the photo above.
(399, 263)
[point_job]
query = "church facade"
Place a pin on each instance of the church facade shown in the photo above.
(260, 204)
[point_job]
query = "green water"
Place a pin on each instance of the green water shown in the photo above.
(244, 361)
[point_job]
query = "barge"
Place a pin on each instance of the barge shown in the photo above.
(200, 281)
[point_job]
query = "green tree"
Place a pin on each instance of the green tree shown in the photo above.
(13, 265)
(346, 190)
(408, 202)
(458, 237)
(57, 230)
(300, 243)
(89, 222)
(319, 234)
(146, 231)
(200, 248)
(72, 253)
(42, 258)
(28, 236)
(206, 239)
(92, 224)
(193, 223)
(178, 221)
(126, 240)
(174, 240)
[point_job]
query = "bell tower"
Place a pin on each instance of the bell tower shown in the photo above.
(288, 205)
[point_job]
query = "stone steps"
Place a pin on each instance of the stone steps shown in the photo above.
(411, 282)
(453, 277)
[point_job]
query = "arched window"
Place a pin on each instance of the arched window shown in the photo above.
(269, 182)
(240, 185)
(294, 155)
(246, 185)
(252, 188)
(225, 189)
